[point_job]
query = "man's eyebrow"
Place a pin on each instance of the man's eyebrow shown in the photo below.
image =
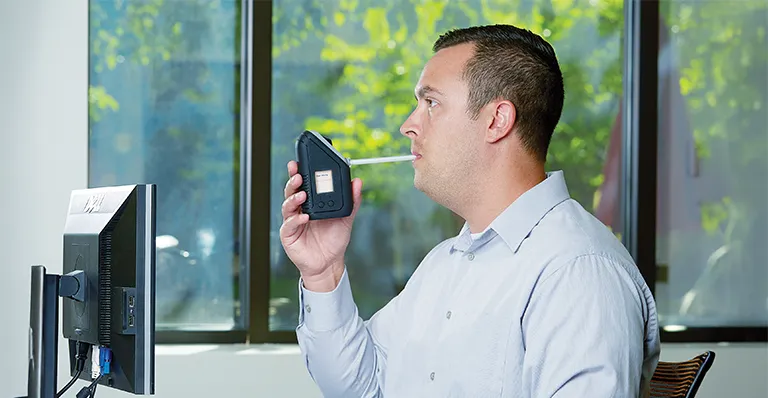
(424, 90)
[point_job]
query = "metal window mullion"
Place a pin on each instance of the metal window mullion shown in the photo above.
(639, 134)
(259, 110)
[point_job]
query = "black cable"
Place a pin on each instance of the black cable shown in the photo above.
(82, 356)
(93, 385)
(71, 382)
(90, 390)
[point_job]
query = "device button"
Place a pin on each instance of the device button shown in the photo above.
(321, 204)
(330, 203)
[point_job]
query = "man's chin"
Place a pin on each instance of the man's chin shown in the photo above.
(420, 185)
(418, 182)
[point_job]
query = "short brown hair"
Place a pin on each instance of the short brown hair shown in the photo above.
(516, 65)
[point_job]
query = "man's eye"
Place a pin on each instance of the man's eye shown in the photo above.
(430, 102)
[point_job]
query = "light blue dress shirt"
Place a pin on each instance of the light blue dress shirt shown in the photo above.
(546, 302)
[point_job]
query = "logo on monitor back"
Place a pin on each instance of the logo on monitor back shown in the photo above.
(93, 204)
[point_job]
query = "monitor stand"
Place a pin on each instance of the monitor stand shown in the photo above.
(43, 333)
(44, 326)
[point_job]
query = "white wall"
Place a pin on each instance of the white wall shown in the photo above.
(43, 155)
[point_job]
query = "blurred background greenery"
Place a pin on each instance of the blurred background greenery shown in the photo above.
(165, 108)
(359, 62)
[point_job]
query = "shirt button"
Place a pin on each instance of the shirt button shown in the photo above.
(308, 308)
(471, 256)
(432, 376)
(448, 315)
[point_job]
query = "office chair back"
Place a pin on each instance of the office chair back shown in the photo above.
(680, 379)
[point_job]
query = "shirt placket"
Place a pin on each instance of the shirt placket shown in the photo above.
(463, 258)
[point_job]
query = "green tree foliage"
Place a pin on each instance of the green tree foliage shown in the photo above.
(378, 50)
(724, 79)
(347, 68)
(723, 63)
(166, 63)
(369, 55)
(366, 57)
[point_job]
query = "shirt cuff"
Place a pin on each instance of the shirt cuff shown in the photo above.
(322, 312)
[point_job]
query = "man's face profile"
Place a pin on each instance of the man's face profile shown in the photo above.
(440, 128)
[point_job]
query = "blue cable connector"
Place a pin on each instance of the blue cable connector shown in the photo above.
(105, 359)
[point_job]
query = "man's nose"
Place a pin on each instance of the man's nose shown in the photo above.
(409, 128)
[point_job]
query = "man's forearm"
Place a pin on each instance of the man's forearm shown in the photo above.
(339, 352)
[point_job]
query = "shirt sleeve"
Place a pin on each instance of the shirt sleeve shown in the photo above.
(346, 356)
(584, 332)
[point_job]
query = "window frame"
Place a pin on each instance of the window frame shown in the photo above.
(639, 153)
(638, 184)
(260, 105)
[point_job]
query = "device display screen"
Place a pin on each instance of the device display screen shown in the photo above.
(324, 181)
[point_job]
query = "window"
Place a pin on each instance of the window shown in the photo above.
(348, 69)
(206, 98)
(712, 146)
(696, 213)
(164, 93)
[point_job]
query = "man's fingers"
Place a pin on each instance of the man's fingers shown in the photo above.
(293, 167)
(292, 204)
(357, 195)
(290, 229)
(293, 219)
(292, 185)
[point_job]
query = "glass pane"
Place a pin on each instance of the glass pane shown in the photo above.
(348, 70)
(713, 161)
(164, 98)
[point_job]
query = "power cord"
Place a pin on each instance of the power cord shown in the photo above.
(89, 391)
(105, 362)
(82, 356)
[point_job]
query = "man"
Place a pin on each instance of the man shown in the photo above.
(533, 298)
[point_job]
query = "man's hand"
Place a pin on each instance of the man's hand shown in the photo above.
(316, 247)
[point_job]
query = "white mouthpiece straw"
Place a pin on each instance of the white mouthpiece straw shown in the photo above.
(404, 158)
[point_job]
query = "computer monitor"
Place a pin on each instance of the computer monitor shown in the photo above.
(108, 294)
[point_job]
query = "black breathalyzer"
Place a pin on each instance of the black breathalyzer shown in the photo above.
(326, 177)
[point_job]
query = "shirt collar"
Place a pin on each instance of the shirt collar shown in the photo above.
(518, 220)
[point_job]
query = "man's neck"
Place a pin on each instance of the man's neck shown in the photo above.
(496, 194)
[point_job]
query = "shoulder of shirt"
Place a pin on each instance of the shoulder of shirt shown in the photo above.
(572, 235)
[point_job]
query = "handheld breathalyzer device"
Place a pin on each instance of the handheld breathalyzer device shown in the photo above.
(326, 177)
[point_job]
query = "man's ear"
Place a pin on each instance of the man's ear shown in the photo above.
(503, 119)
